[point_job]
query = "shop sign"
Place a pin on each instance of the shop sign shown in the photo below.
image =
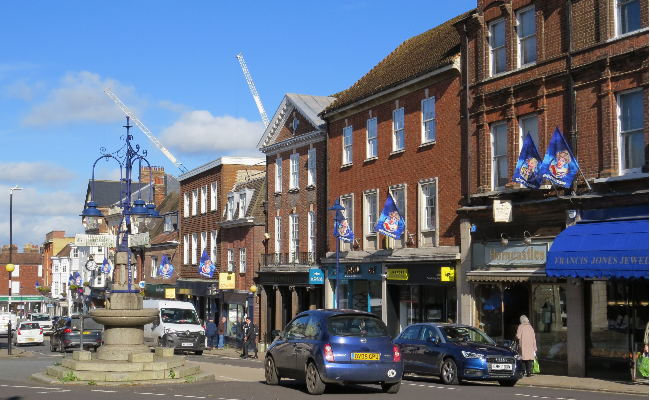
(517, 255)
(226, 280)
(170, 293)
(139, 240)
(502, 210)
(82, 240)
(397, 274)
(447, 274)
(316, 276)
(283, 278)
(356, 271)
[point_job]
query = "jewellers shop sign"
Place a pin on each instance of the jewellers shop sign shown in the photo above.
(516, 255)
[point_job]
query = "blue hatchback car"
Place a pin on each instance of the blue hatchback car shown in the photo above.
(335, 347)
(457, 352)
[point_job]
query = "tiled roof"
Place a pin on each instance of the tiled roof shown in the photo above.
(416, 56)
(65, 252)
(255, 209)
(170, 204)
(165, 237)
(22, 258)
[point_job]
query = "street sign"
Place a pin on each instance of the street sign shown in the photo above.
(139, 240)
(316, 276)
(94, 240)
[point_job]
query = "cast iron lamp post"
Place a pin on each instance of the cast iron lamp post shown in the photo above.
(336, 212)
(10, 267)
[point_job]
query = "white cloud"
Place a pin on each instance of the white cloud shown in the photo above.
(105, 174)
(200, 132)
(81, 97)
(46, 173)
(18, 89)
(173, 107)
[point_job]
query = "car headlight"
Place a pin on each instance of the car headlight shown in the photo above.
(168, 330)
(469, 354)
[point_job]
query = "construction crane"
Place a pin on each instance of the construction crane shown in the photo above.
(145, 130)
(251, 85)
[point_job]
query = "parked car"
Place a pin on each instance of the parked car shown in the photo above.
(457, 352)
(335, 347)
(68, 334)
(28, 333)
(5, 318)
(44, 321)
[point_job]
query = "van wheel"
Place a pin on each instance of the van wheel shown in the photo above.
(314, 384)
(270, 372)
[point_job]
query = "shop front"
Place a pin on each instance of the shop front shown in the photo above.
(360, 287)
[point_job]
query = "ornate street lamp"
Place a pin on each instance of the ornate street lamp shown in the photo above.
(336, 213)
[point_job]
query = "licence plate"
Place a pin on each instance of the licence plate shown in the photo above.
(502, 367)
(30, 339)
(187, 344)
(366, 356)
(86, 333)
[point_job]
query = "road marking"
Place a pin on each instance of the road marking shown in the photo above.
(104, 391)
(227, 377)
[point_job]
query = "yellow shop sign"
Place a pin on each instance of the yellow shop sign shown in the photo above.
(397, 274)
(226, 280)
(447, 274)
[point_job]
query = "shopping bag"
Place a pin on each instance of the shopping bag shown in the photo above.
(535, 366)
(642, 365)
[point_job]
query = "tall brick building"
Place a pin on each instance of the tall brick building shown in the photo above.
(296, 150)
(532, 66)
(24, 295)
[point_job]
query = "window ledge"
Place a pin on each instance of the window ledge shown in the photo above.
(346, 165)
(370, 159)
(311, 187)
(400, 151)
(626, 177)
(278, 193)
(625, 35)
(429, 143)
(293, 190)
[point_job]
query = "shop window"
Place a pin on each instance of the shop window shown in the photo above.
(549, 320)
(488, 310)
(235, 320)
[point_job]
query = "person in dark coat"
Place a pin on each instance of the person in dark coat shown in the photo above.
(221, 331)
(210, 332)
(250, 334)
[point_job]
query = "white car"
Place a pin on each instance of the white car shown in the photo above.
(28, 333)
(44, 320)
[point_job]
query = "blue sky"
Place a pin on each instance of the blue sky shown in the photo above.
(174, 65)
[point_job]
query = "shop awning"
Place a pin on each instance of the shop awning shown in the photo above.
(508, 275)
(612, 249)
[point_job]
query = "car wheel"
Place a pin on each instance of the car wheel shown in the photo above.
(270, 372)
(314, 384)
(199, 353)
(508, 382)
(449, 372)
(391, 387)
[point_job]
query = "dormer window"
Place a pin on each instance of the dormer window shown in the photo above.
(230, 208)
(242, 205)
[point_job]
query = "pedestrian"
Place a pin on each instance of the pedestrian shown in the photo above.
(527, 344)
(210, 332)
(221, 331)
(250, 334)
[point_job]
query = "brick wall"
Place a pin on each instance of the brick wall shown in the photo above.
(28, 275)
(250, 237)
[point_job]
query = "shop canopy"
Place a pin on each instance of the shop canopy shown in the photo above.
(612, 249)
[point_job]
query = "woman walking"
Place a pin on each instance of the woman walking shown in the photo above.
(527, 344)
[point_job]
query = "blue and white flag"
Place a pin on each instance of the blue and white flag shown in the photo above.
(527, 170)
(78, 279)
(206, 268)
(390, 221)
(71, 280)
(166, 268)
(342, 228)
(559, 165)
(106, 267)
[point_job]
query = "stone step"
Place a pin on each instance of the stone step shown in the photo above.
(51, 380)
(159, 364)
(185, 370)
(135, 376)
(164, 363)
(63, 372)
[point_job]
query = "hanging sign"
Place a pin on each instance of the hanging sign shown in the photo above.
(82, 240)
(139, 240)
(316, 276)
(226, 280)
(502, 210)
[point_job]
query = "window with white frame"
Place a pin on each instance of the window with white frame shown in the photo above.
(231, 260)
(213, 247)
(311, 230)
(371, 133)
(628, 16)
(398, 129)
(429, 120)
(204, 242)
(278, 175)
(294, 166)
(347, 145)
(195, 244)
(204, 199)
(213, 196)
(294, 238)
(230, 208)
(526, 35)
(528, 124)
(630, 124)
(347, 201)
(429, 202)
(195, 201)
(242, 205)
(498, 47)
(499, 155)
(186, 249)
(64, 267)
(311, 167)
(54, 265)
(278, 235)
(186, 204)
(398, 192)
(370, 205)
(74, 252)
(154, 267)
(242, 260)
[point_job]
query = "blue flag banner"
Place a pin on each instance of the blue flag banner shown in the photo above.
(78, 280)
(527, 170)
(166, 268)
(342, 229)
(106, 267)
(559, 165)
(390, 222)
(206, 268)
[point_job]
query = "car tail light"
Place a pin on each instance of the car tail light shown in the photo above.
(19, 332)
(397, 356)
(41, 331)
(67, 330)
(329, 354)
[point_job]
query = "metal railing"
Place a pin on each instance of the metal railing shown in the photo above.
(304, 258)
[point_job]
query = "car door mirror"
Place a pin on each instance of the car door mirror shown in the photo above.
(433, 340)
(276, 334)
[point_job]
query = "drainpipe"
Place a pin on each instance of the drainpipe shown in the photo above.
(469, 184)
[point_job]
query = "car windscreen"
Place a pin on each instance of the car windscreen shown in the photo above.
(356, 325)
(464, 333)
(31, 325)
(179, 316)
(89, 324)
(40, 318)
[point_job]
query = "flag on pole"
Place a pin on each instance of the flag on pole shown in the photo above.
(71, 280)
(559, 165)
(106, 267)
(390, 222)
(527, 170)
(342, 228)
(206, 268)
(78, 280)
(166, 268)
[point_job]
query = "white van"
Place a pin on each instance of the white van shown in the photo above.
(5, 317)
(44, 320)
(177, 326)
